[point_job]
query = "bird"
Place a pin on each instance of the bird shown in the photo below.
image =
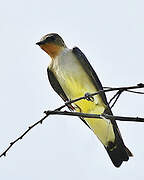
(72, 76)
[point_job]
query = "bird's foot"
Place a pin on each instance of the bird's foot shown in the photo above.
(89, 97)
(70, 106)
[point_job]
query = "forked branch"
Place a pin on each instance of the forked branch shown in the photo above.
(58, 111)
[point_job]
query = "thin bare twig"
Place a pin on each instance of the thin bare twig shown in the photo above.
(25, 132)
(98, 116)
(115, 95)
(57, 111)
(140, 85)
(118, 95)
(137, 92)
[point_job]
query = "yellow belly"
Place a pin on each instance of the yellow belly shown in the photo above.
(76, 84)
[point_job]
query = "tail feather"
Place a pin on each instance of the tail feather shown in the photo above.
(118, 152)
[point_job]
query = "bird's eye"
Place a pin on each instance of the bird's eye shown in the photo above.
(52, 38)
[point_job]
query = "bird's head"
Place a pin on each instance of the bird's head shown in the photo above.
(52, 44)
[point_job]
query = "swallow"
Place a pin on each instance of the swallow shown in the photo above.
(72, 76)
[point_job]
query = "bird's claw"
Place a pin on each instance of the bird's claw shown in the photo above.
(88, 97)
(69, 106)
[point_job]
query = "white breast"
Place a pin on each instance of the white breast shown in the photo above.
(71, 75)
(66, 62)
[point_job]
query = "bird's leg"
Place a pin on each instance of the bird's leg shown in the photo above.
(71, 108)
(88, 97)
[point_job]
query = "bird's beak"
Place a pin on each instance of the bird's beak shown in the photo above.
(39, 43)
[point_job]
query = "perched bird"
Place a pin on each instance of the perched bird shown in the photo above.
(72, 76)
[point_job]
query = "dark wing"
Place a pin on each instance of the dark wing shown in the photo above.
(120, 153)
(58, 89)
(90, 71)
(55, 85)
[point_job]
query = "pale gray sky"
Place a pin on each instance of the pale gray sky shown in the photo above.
(111, 34)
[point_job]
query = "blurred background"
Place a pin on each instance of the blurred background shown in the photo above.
(111, 34)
